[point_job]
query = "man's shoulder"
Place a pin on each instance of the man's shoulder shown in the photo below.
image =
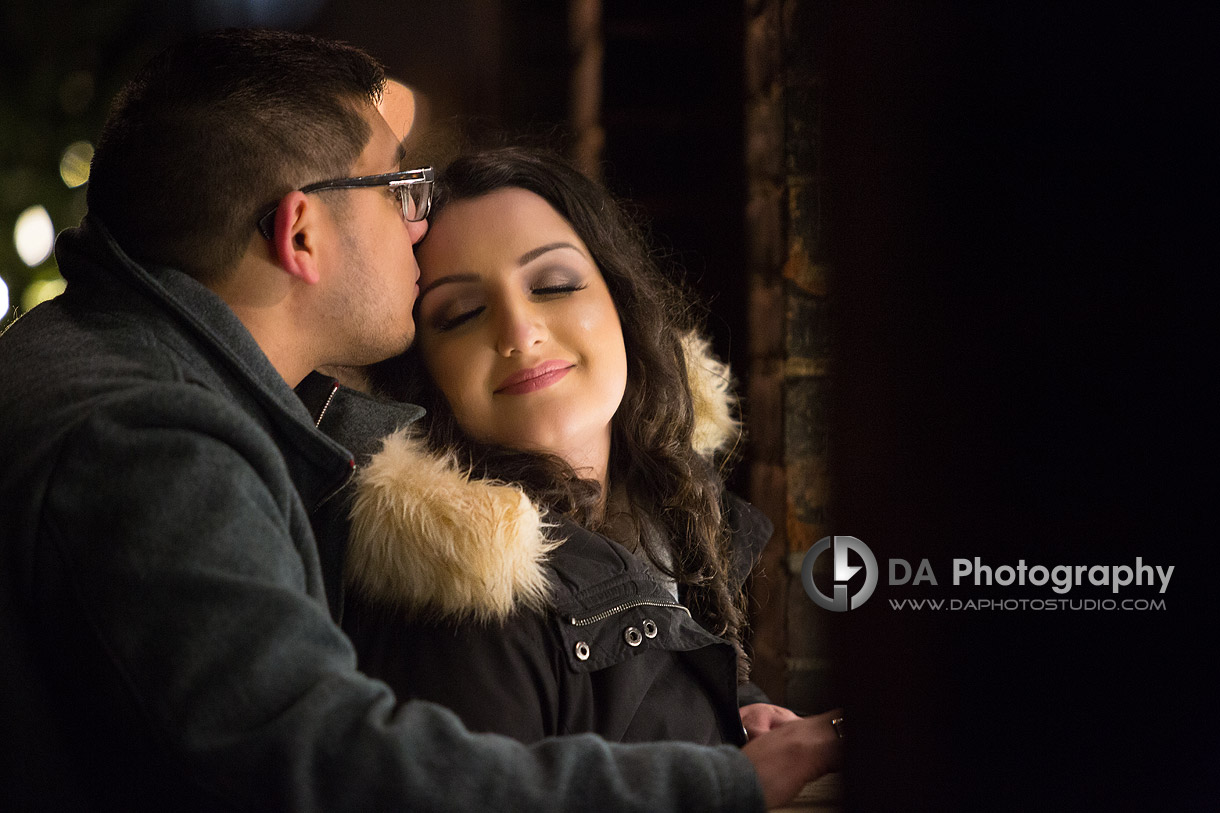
(63, 341)
(59, 367)
(73, 373)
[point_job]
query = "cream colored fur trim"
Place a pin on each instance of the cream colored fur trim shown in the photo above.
(715, 426)
(424, 536)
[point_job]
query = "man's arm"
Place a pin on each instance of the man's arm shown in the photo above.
(181, 546)
(495, 676)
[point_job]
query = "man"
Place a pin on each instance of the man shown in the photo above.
(163, 603)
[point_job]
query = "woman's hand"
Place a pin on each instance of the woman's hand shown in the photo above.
(759, 718)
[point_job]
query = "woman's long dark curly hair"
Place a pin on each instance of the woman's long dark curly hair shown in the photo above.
(673, 493)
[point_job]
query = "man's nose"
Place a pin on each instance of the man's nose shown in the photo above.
(417, 230)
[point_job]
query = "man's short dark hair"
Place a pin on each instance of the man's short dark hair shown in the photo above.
(217, 128)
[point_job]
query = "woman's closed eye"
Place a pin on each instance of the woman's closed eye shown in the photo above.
(442, 322)
(459, 313)
(557, 290)
(455, 312)
(555, 279)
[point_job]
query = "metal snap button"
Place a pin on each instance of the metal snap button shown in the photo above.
(650, 628)
(582, 651)
(632, 636)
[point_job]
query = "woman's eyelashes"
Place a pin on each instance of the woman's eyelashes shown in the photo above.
(553, 290)
(556, 279)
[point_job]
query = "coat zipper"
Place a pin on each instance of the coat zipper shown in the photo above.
(333, 391)
(351, 471)
(604, 614)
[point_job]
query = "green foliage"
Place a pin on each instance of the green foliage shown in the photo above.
(61, 61)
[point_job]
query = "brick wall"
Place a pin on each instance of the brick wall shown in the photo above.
(789, 365)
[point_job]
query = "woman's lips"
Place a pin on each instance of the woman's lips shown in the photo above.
(535, 378)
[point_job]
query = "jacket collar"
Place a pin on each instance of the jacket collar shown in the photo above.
(90, 257)
(358, 422)
(355, 420)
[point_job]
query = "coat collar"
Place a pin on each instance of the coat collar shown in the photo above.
(352, 418)
(91, 259)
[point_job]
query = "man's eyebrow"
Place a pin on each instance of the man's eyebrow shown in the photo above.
(400, 154)
(445, 280)
(535, 253)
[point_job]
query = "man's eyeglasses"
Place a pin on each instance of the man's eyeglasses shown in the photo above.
(414, 188)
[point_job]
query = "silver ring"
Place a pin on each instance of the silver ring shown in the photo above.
(837, 725)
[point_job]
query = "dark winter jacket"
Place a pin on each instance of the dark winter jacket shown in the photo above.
(613, 654)
(166, 638)
(463, 593)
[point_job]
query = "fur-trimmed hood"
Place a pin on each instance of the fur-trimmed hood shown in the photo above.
(428, 538)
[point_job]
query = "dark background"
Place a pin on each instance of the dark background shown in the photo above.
(1020, 226)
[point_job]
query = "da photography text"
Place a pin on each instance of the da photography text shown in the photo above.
(1061, 578)
(851, 556)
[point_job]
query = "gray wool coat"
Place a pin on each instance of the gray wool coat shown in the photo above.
(164, 622)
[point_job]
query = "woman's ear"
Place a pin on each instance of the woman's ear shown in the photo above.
(295, 242)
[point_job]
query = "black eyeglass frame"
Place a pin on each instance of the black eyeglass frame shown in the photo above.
(394, 180)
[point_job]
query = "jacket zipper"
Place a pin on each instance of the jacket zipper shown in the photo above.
(604, 614)
(351, 471)
(333, 391)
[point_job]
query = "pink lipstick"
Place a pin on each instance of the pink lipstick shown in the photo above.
(535, 378)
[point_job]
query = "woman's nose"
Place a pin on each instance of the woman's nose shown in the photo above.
(519, 328)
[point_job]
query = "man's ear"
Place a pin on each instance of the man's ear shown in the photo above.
(295, 241)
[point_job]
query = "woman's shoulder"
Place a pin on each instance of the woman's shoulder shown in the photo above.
(750, 530)
(430, 539)
(746, 520)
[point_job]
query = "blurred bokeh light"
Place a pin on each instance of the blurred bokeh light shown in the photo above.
(74, 165)
(34, 235)
(40, 290)
(271, 13)
(398, 107)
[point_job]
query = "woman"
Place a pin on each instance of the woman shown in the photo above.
(558, 555)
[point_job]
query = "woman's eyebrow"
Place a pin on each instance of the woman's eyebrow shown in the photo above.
(535, 253)
(447, 279)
